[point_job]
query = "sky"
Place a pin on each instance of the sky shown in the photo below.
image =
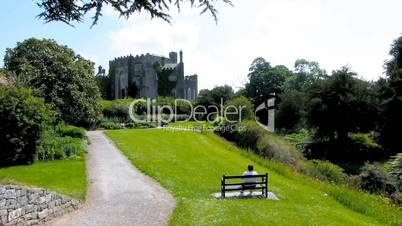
(355, 33)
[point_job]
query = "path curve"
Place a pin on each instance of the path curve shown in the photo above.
(118, 193)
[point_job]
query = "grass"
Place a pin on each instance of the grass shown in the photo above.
(63, 176)
(191, 124)
(190, 165)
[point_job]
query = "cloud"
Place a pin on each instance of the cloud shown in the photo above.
(155, 36)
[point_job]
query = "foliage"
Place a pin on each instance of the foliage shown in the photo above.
(364, 139)
(214, 97)
(339, 106)
(243, 109)
(253, 137)
(63, 78)
(396, 170)
(167, 80)
(23, 120)
(75, 10)
(64, 176)
(70, 130)
(392, 101)
(192, 173)
(291, 110)
(375, 180)
(117, 111)
(324, 171)
(52, 147)
(105, 86)
(298, 138)
(265, 80)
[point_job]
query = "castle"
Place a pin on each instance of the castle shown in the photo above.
(149, 76)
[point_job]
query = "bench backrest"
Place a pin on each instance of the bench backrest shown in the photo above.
(264, 179)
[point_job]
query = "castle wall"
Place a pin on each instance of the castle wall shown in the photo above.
(140, 69)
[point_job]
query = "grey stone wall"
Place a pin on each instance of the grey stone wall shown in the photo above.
(31, 206)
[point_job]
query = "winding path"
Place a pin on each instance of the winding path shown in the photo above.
(118, 193)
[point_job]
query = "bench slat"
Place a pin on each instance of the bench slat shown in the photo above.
(251, 183)
(248, 176)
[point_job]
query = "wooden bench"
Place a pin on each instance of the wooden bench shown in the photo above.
(259, 185)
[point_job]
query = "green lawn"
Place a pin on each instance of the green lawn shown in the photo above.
(64, 176)
(190, 165)
(191, 124)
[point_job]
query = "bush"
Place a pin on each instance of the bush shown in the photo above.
(244, 109)
(324, 171)
(375, 180)
(117, 111)
(108, 123)
(52, 147)
(396, 170)
(251, 136)
(70, 130)
(23, 120)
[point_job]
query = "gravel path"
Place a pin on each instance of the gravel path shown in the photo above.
(118, 193)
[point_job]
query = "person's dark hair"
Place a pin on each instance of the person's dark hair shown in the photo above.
(250, 167)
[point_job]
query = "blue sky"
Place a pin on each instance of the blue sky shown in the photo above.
(335, 33)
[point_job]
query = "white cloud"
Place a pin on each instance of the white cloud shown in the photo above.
(155, 36)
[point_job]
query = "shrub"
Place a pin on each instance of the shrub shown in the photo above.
(375, 180)
(70, 130)
(52, 147)
(108, 123)
(396, 170)
(23, 120)
(324, 171)
(244, 109)
(277, 149)
(251, 136)
(117, 111)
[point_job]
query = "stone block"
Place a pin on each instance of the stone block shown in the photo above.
(42, 214)
(10, 194)
(14, 214)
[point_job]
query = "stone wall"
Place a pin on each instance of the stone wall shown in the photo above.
(31, 206)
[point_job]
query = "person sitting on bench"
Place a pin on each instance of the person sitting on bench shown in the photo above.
(250, 171)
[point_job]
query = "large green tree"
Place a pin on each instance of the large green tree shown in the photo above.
(69, 11)
(292, 106)
(63, 78)
(265, 80)
(340, 105)
(392, 106)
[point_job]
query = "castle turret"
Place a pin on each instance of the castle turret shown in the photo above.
(173, 57)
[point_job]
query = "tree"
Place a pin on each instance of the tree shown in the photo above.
(265, 80)
(23, 119)
(240, 109)
(292, 106)
(75, 10)
(291, 110)
(392, 105)
(339, 106)
(215, 96)
(63, 78)
(307, 73)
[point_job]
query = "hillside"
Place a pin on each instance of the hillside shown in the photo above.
(190, 165)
